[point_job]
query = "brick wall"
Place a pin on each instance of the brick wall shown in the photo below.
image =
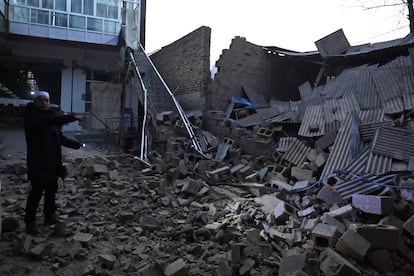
(244, 64)
(270, 75)
(185, 63)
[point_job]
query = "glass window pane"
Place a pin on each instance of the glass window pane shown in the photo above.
(19, 14)
(101, 10)
(113, 12)
(33, 3)
(47, 4)
(76, 6)
(21, 2)
(88, 7)
(39, 16)
(61, 19)
(2, 7)
(60, 5)
(94, 24)
(110, 27)
(77, 22)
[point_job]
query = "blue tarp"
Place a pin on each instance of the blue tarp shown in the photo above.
(242, 102)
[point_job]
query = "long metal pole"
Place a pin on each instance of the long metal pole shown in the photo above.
(184, 118)
(143, 155)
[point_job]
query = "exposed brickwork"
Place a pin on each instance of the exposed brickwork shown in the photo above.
(185, 63)
(243, 64)
(246, 64)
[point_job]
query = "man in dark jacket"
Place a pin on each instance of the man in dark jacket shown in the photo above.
(44, 139)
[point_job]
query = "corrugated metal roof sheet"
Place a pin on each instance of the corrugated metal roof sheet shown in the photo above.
(333, 44)
(394, 105)
(408, 102)
(386, 81)
(378, 164)
(312, 101)
(280, 105)
(330, 87)
(364, 185)
(351, 51)
(313, 117)
(295, 105)
(339, 156)
(332, 126)
(285, 143)
(366, 91)
(368, 131)
(305, 91)
(296, 154)
(359, 163)
(394, 142)
(337, 109)
(286, 117)
(258, 101)
(256, 118)
(371, 116)
(407, 75)
(350, 83)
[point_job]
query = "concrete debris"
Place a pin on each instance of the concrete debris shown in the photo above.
(255, 207)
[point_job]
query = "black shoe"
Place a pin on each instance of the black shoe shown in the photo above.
(50, 220)
(31, 229)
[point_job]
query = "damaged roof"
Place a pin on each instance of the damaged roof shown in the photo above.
(360, 104)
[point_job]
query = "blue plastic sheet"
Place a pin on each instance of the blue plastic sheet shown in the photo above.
(242, 102)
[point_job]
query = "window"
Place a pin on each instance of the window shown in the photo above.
(113, 12)
(94, 24)
(77, 22)
(76, 6)
(110, 27)
(88, 7)
(2, 7)
(60, 5)
(100, 9)
(33, 3)
(107, 8)
(20, 2)
(47, 4)
(61, 19)
(19, 14)
(39, 16)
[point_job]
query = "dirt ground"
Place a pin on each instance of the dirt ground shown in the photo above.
(12, 152)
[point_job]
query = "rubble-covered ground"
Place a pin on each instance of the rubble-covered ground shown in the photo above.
(187, 215)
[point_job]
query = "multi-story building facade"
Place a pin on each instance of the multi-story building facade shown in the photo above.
(71, 48)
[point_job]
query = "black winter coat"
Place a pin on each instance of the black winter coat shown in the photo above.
(43, 130)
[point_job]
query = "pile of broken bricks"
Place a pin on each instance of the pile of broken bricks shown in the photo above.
(231, 214)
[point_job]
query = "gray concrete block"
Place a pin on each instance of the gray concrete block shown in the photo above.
(329, 195)
(324, 235)
(333, 221)
(292, 263)
(409, 225)
(333, 264)
(177, 268)
(372, 204)
(379, 236)
(353, 245)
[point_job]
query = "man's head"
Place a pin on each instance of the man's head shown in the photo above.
(42, 100)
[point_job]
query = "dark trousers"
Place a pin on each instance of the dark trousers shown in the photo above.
(36, 191)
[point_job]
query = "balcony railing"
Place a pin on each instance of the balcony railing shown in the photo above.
(66, 25)
(63, 19)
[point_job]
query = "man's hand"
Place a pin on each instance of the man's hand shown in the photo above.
(80, 117)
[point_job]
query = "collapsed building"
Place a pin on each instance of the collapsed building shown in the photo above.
(321, 141)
